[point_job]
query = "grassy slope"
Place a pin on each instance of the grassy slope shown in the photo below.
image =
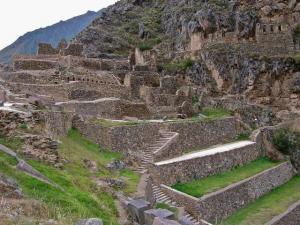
(80, 198)
(201, 187)
(270, 205)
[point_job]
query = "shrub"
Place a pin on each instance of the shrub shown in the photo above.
(179, 66)
(286, 141)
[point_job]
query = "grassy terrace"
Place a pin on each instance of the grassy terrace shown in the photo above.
(81, 198)
(207, 185)
(268, 206)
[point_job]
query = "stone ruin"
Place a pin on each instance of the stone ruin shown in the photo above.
(63, 49)
(66, 89)
(270, 39)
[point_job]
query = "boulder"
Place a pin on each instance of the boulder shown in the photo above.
(91, 221)
(136, 209)
(151, 214)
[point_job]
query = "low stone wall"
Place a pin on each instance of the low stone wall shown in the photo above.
(107, 108)
(197, 168)
(74, 90)
(198, 135)
(225, 202)
(290, 217)
(58, 123)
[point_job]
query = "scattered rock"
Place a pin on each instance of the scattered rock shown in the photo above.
(115, 183)
(116, 165)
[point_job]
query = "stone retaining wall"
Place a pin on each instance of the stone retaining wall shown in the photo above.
(34, 64)
(58, 123)
(120, 138)
(197, 168)
(188, 202)
(290, 217)
(201, 134)
(225, 202)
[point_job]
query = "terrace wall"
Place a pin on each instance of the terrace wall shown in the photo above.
(197, 168)
(197, 135)
(221, 204)
(124, 139)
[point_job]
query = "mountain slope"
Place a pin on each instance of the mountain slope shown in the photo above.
(27, 44)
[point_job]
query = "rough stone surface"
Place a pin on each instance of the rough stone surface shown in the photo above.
(137, 208)
(91, 221)
(151, 214)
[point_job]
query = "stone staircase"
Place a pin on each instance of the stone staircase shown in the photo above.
(148, 154)
(161, 197)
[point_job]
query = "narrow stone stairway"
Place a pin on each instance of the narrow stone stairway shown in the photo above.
(161, 197)
(149, 151)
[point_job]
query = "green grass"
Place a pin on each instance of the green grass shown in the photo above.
(268, 206)
(198, 188)
(214, 112)
(81, 198)
(14, 143)
(111, 123)
(182, 65)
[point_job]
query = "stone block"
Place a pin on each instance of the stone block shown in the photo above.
(136, 209)
(151, 214)
(185, 221)
(160, 221)
(91, 221)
